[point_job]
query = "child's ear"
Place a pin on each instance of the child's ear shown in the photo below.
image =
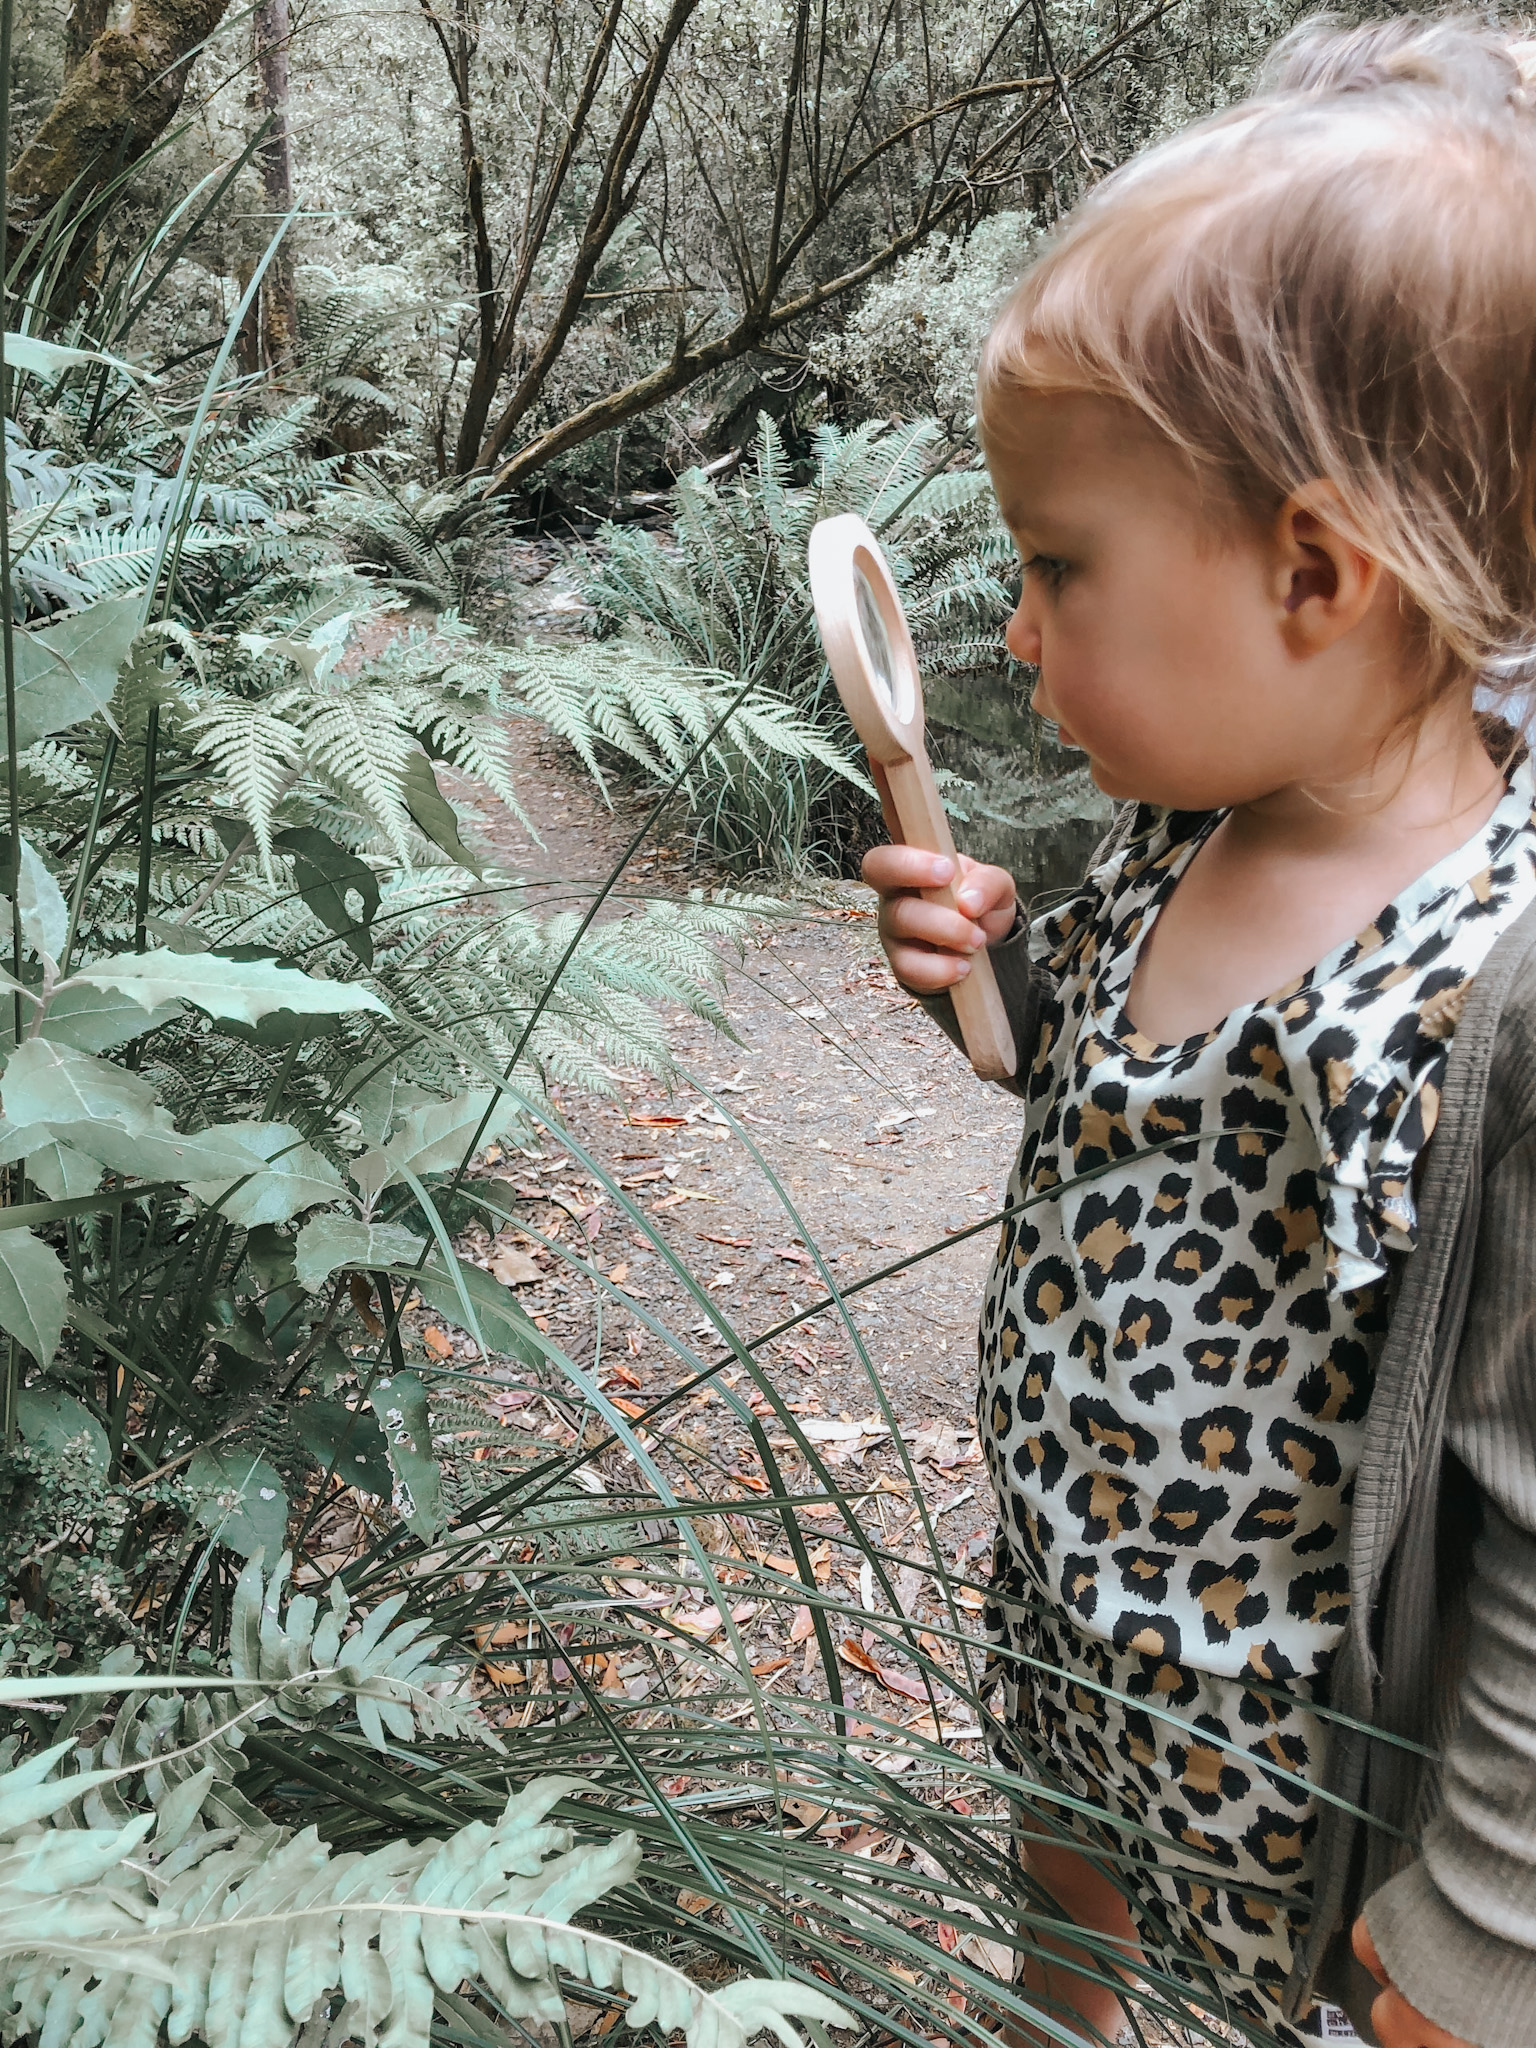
(1324, 582)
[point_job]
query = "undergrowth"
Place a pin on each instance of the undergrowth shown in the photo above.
(329, 1700)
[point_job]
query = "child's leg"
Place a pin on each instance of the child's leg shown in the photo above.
(1087, 1897)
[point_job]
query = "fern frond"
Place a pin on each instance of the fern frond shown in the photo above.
(256, 751)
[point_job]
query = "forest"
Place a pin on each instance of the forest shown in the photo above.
(455, 1595)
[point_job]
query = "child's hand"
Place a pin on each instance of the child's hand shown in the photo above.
(930, 947)
(1397, 2023)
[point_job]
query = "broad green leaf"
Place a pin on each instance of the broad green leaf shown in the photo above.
(52, 359)
(109, 1114)
(329, 1244)
(246, 990)
(327, 874)
(164, 1153)
(62, 1172)
(18, 1140)
(380, 1103)
(67, 673)
(44, 913)
(505, 1325)
(401, 1406)
(297, 1178)
(52, 1419)
(350, 1439)
(434, 1137)
(96, 1020)
(432, 813)
(34, 1293)
(47, 1084)
(260, 1516)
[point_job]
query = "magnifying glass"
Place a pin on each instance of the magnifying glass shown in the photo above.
(874, 665)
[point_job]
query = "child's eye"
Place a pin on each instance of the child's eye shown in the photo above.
(1049, 568)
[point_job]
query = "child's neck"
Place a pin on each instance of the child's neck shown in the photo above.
(1287, 877)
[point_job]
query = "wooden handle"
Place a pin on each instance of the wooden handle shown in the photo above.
(977, 999)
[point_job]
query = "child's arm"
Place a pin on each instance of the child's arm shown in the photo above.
(1455, 1932)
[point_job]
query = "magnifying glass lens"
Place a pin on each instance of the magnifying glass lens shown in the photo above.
(877, 644)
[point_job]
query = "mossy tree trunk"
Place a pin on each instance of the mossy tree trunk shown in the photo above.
(82, 25)
(119, 98)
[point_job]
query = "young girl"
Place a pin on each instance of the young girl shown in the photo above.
(1255, 1399)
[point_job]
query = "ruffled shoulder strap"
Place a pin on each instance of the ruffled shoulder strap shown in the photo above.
(1132, 863)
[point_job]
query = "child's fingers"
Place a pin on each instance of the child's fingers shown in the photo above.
(925, 969)
(1398, 2025)
(913, 920)
(989, 895)
(1365, 1951)
(889, 869)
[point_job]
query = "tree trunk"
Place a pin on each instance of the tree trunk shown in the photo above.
(84, 22)
(120, 98)
(279, 306)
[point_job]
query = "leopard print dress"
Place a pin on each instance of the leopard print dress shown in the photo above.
(1176, 1360)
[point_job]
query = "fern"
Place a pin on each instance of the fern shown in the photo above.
(721, 609)
(141, 1890)
(255, 1941)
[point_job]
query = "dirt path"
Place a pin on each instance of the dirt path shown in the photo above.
(882, 1139)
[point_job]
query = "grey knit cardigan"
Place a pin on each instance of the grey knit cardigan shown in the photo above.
(1440, 1653)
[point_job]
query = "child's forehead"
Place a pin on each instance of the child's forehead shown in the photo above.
(1054, 452)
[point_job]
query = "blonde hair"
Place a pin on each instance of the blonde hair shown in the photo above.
(1334, 280)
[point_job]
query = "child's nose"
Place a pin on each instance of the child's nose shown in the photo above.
(1022, 638)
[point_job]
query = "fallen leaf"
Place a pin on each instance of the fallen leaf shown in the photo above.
(515, 1269)
(621, 1376)
(658, 1123)
(489, 1636)
(779, 1251)
(620, 1273)
(899, 1682)
(362, 1301)
(806, 1813)
(855, 1654)
(695, 1903)
(436, 1342)
(740, 1244)
(751, 1481)
(702, 1622)
(632, 1409)
(639, 1180)
(769, 1665)
(802, 1626)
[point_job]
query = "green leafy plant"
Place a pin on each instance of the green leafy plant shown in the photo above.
(713, 620)
(140, 1890)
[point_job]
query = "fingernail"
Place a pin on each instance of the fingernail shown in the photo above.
(942, 869)
(969, 900)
